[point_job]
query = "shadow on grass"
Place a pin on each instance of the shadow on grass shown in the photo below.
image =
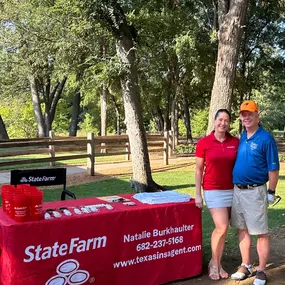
(281, 177)
(154, 169)
(26, 166)
(106, 187)
(176, 187)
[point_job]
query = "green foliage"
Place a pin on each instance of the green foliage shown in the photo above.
(234, 128)
(62, 117)
(88, 125)
(18, 117)
(199, 123)
(182, 128)
(176, 51)
(281, 157)
(185, 148)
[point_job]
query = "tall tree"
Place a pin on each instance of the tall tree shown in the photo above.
(31, 35)
(111, 14)
(231, 16)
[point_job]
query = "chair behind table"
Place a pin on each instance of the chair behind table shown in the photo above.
(42, 177)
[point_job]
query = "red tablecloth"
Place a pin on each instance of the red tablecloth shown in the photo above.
(142, 245)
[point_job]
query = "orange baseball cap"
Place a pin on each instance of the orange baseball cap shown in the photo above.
(249, 106)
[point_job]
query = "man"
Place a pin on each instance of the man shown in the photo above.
(257, 163)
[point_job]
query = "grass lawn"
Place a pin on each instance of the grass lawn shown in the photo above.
(181, 180)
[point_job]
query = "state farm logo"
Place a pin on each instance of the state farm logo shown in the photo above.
(37, 179)
(69, 274)
(24, 180)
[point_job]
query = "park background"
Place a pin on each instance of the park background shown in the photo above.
(115, 67)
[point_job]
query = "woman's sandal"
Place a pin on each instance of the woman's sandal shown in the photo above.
(223, 273)
(213, 272)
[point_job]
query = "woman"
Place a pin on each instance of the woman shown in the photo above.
(215, 157)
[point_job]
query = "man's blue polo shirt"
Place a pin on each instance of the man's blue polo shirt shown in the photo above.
(256, 156)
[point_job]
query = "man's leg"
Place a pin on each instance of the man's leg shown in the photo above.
(244, 245)
(263, 249)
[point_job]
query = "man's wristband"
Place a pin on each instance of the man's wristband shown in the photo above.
(270, 191)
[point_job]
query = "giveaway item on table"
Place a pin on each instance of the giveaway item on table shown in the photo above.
(130, 203)
(22, 203)
(161, 197)
(112, 199)
(75, 211)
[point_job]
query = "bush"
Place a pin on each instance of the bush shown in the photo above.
(185, 148)
(199, 123)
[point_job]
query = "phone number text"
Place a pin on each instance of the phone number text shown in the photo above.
(159, 243)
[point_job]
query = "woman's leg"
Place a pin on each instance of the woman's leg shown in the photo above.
(221, 220)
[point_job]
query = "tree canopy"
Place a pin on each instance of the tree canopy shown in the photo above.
(53, 50)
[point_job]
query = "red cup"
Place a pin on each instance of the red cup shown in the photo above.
(22, 187)
(27, 191)
(36, 204)
(34, 189)
(10, 204)
(5, 190)
(21, 205)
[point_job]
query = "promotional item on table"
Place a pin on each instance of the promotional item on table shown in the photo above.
(162, 197)
(22, 203)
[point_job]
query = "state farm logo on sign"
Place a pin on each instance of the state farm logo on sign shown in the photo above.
(69, 274)
(24, 180)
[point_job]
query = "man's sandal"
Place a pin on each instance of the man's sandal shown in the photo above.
(213, 272)
(244, 271)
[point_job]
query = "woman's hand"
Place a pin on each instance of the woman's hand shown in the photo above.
(199, 201)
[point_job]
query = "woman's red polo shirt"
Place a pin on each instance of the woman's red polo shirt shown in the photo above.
(219, 159)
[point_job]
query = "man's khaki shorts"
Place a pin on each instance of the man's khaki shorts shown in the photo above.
(249, 210)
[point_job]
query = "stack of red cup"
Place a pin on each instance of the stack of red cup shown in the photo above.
(22, 203)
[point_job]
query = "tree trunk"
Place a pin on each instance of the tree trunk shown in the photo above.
(229, 41)
(51, 104)
(142, 179)
(104, 110)
(158, 118)
(118, 119)
(75, 114)
(167, 121)
(47, 122)
(187, 120)
(3, 131)
(103, 114)
(54, 98)
(37, 107)
(174, 122)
